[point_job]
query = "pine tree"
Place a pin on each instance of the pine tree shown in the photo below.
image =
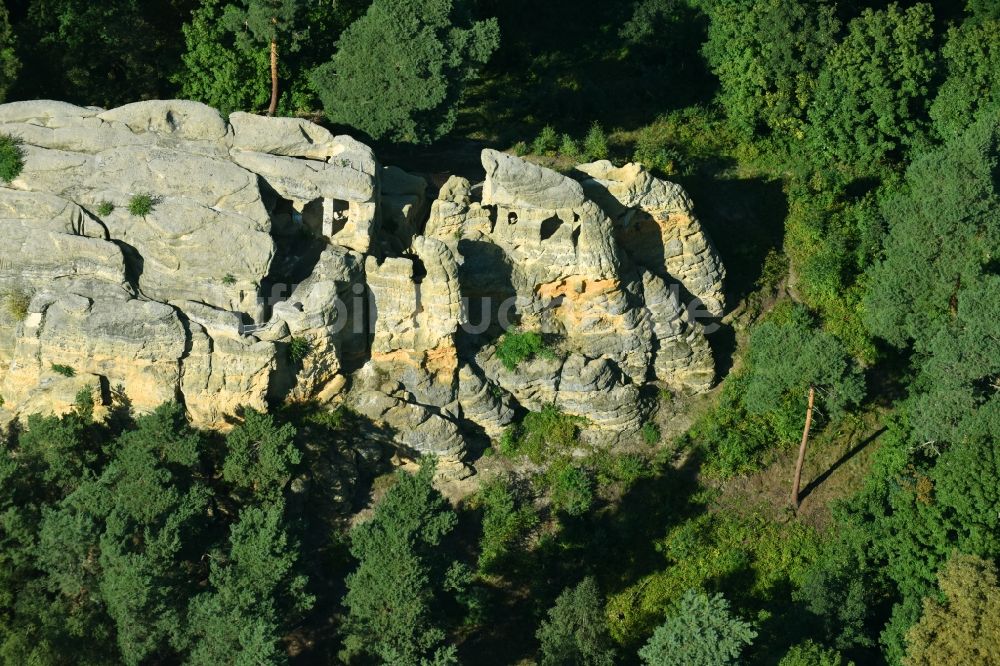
(256, 593)
(415, 99)
(393, 597)
(265, 22)
(703, 632)
(260, 455)
(937, 291)
(576, 631)
(215, 70)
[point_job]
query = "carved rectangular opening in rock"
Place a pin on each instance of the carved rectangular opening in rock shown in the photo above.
(334, 216)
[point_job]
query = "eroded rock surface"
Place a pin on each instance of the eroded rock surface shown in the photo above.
(280, 262)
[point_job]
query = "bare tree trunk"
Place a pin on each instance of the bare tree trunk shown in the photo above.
(274, 79)
(802, 449)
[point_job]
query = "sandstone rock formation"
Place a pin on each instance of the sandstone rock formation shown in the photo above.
(280, 262)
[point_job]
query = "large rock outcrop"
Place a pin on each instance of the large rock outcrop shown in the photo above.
(280, 262)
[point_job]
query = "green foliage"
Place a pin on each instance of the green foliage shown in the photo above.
(116, 547)
(105, 208)
(215, 71)
(831, 243)
(778, 380)
(684, 142)
(546, 142)
(767, 56)
(765, 403)
(871, 97)
(265, 23)
(570, 488)
(229, 279)
(64, 370)
(703, 632)
(568, 147)
(972, 64)
(515, 347)
(937, 288)
(894, 537)
(845, 588)
(149, 513)
(17, 301)
(622, 470)
(141, 205)
(103, 53)
(576, 631)
(733, 440)
(650, 433)
(260, 22)
(655, 156)
(393, 597)
(10, 65)
(222, 68)
(11, 157)
(753, 560)
(415, 100)
(508, 519)
(964, 629)
(542, 434)
(260, 456)
(520, 149)
(298, 349)
(595, 144)
(255, 593)
(811, 653)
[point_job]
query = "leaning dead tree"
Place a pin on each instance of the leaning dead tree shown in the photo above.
(802, 449)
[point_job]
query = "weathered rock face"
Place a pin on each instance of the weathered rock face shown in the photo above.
(539, 252)
(280, 262)
(161, 303)
(654, 221)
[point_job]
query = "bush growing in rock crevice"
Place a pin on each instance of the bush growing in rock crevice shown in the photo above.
(141, 205)
(11, 157)
(17, 302)
(517, 346)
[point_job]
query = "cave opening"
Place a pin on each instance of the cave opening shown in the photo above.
(296, 230)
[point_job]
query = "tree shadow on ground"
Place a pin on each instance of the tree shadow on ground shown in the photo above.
(855, 450)
(553, 70)
(616, 544)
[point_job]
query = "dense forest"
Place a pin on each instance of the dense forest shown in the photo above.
(845, 157)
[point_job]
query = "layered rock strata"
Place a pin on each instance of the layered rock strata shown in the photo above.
(280, 262)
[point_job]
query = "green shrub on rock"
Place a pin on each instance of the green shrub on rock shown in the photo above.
(141, 205)
(11, 157)
(298, 349)
(64, 370)
(17, 302)
(517, 346)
